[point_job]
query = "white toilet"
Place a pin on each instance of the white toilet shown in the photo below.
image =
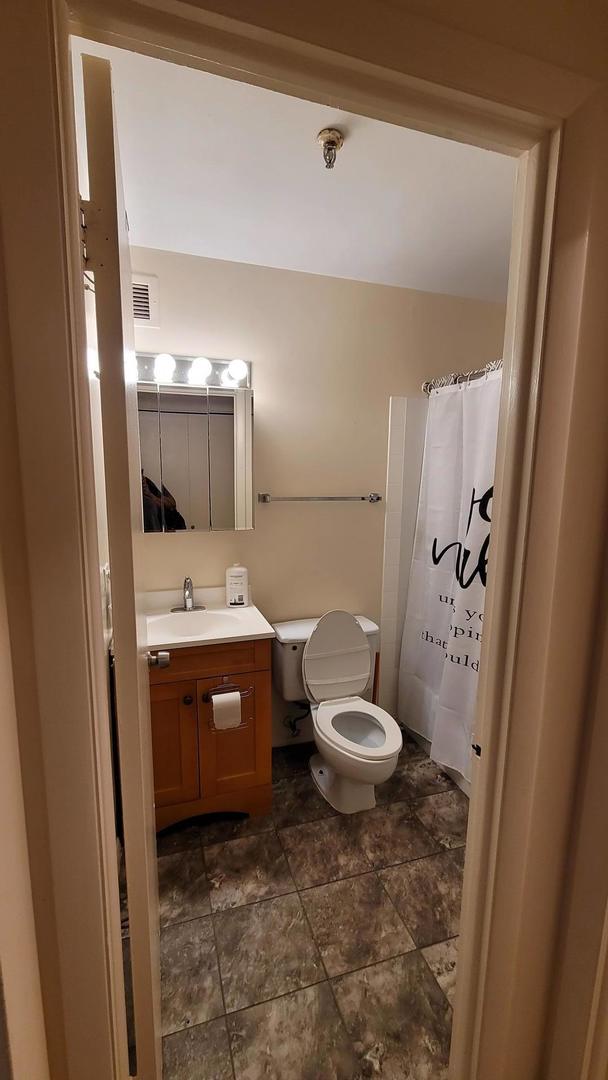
(358, 742)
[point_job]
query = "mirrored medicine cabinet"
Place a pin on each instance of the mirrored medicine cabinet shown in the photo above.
(196, 443)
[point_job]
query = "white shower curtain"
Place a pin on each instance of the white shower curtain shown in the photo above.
(444, 616)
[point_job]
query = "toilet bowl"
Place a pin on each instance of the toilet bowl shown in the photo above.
(358, 742)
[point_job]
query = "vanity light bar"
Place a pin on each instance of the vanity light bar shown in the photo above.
(171, 370)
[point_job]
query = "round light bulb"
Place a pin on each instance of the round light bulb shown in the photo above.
(164, 366)
(200, 370)
(227, 379)
(237, 369)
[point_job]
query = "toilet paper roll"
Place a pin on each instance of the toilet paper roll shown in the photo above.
(226, 710)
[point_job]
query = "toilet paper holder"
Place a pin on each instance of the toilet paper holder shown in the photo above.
(226, 688)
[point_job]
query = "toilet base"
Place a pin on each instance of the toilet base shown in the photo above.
(345, 795)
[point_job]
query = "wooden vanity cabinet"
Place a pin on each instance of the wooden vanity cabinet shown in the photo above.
(175, 743)
(199, 769)
(236, 758)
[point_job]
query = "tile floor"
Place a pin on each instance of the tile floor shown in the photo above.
(311, 946)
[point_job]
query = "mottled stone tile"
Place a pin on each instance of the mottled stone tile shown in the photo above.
(293, 760)
(245, 870)
(190, 980)
(198, 1053)
(427, 894)
(354, 923)
(441, 959)
(411, 746)
(296, 801)
(390, 834)
(296, 1037)
(183, 890)
(396, 788)
(426, 777)
(413, 778)
(180, 837)
(218, 829)
(445, 816)
(265, 950)
(322, 851)
(398, 1018)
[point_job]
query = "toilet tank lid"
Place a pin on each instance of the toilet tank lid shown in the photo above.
(298, 631)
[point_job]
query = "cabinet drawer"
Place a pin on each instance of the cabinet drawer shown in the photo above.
(173, 712)
(235, 758)
(207, 660)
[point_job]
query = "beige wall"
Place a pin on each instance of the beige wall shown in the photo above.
(326, 354)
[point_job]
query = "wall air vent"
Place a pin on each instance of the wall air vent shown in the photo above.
(141, 301)
(145, 300)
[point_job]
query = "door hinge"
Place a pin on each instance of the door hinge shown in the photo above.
(94, 237)
(476, 749)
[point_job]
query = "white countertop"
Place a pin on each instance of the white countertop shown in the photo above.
(214, 625)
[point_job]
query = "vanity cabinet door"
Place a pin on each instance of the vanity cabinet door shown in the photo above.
(238, 757)
(175, 743)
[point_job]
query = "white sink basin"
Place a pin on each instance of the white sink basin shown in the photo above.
(211, 626)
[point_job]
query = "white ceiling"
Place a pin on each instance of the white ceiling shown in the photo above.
(223, 169)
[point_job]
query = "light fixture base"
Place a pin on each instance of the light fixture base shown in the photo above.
(332, 140)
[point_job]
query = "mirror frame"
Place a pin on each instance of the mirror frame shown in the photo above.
(220, 383)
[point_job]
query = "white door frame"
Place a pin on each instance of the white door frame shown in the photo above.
(509, 937)
(108, 257)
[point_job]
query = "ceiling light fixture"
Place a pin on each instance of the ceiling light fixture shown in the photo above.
(331, 140)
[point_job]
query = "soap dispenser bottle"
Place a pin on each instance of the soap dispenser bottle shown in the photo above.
(237, 586)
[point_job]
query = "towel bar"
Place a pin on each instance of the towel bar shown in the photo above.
(265, 497)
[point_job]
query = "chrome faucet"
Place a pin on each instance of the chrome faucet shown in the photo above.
(188, 604)
(188, 594)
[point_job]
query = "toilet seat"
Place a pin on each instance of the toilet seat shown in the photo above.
(368, 721)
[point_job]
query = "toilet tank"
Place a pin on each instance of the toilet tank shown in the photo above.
(288, 650)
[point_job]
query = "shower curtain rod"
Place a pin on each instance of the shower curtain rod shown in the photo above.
(459, 377)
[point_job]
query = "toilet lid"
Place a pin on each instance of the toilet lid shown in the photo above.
(337, 658)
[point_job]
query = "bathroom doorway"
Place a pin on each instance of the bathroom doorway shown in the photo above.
(422, 817)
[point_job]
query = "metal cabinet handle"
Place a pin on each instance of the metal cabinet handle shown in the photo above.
(159, 659)
(188, 699)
